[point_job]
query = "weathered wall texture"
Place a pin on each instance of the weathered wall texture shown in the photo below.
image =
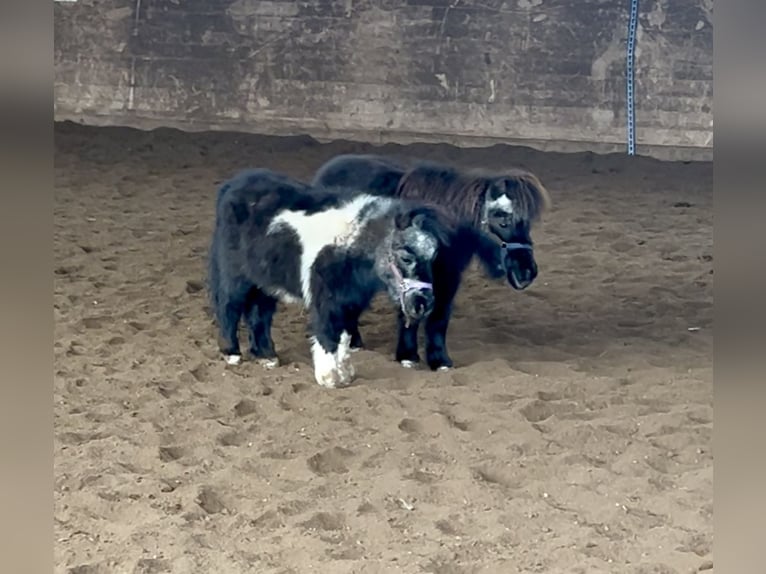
(546, 73)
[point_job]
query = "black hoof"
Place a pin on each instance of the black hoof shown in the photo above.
(410, 357)
(356, 342)
(439, 361)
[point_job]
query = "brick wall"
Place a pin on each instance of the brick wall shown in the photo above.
(545, 73)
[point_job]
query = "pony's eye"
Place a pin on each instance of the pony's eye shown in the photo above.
(407, 259)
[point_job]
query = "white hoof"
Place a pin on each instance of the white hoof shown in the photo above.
(326, 368)
(233, 359)
(329, 380)
(443, 368)
(270, 363)
(355, 349)
(408, 364)
(347, 371)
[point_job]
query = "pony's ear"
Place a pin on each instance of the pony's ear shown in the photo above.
(419, 221)
(403, 219)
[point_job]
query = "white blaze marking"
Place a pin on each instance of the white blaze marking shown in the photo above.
(502, 203)
(337, 226)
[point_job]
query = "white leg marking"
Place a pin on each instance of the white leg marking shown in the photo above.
(408, 364)
(270, 363)
(326, 370)
(233, 359)
(347, 370)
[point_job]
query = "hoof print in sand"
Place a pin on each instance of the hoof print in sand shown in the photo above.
(88, 569)
(245, 407)
(233, 438)
(410, 426)
(209, 501)
(152, 566)
(171, 453)
(325, 521)
(330, 461)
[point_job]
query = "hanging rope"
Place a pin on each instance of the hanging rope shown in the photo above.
(630, 76)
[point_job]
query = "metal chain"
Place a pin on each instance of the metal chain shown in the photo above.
(630, 74)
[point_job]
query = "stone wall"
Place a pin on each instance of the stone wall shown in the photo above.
(545, 73)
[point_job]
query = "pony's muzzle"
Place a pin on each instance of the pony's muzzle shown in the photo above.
(418, 303)
(521, 265)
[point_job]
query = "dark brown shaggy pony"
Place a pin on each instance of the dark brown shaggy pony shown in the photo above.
(503, 204)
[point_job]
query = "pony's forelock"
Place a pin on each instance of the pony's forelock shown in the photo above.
(531, 198)
(464, 191)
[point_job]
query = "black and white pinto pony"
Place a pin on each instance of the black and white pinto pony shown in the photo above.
(504, 205)
(278, 239)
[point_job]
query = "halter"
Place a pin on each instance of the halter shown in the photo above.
(514, 246)
(406, 285)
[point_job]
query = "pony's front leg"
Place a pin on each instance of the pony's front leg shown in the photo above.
(331, 354)
(356, 337)
(446, 283)
(436, 339)
(407, 345)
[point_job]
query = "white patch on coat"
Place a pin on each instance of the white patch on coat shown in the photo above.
(337, 226)
(285, 297)
(423, 243)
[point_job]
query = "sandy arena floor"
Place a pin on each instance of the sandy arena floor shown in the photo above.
(574, 436)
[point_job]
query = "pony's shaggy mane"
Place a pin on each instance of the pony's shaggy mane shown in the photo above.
(463, 191)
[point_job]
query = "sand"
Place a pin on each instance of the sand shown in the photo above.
(573, 436)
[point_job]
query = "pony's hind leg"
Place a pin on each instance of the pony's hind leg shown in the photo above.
(356, 337)
(259, 312)
(228, 311)
(407, 345)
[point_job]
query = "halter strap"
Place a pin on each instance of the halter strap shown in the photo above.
(406, 285)
(513, 246)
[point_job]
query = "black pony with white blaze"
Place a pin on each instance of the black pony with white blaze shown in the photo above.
(502, 205)
(277, 239)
